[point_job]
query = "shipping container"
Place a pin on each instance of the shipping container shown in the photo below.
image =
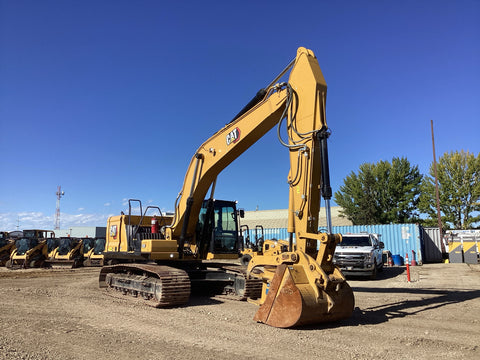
(272, 233)
(434, 248)
(399, 239)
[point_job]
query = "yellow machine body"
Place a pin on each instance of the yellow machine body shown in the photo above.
(118, 228)
(6, 247)
(268, 247)
(93, 249)
(31, 250)
(68, 253)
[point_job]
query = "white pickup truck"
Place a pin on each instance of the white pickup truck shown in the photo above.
(359, 254)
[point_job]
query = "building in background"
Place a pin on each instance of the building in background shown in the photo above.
(274, 219)
(82, 232)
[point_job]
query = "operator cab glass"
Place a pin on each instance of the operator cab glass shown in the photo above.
(99, 246)
(222, 227)
(25, 244)
(3, 239)
(52, 244)
(88, 244)
(30, 234)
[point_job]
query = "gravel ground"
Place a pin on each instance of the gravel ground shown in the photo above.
(62, 314)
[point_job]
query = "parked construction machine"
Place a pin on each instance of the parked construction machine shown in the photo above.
(293, 286)
(93, 249)
(68, 253)
(52, 245)
(31, 250)
(258, 245)
(6, 247)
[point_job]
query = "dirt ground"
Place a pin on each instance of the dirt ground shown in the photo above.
(62, 314)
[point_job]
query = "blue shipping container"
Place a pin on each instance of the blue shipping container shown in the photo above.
(399, 239)
(270, 233)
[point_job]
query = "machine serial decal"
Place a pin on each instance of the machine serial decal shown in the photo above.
(233, 136)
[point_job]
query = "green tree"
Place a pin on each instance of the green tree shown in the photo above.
(381, 193)
(459, 191)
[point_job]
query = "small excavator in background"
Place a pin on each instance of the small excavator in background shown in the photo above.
(293, 285)
(31, 250)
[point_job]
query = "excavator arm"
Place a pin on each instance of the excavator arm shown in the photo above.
(303, 98)
(217, 153)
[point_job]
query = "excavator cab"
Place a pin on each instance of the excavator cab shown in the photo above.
(217, 228)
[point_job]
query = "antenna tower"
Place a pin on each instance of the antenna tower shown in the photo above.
(59, 194)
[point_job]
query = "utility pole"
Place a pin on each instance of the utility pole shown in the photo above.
(436, 183)
(59, 194)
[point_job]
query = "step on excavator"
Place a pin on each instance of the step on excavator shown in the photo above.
(293, 285)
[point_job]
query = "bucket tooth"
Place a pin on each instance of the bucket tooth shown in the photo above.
(289, 304)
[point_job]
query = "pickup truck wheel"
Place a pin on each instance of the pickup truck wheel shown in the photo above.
(373, 276)
(380, 267)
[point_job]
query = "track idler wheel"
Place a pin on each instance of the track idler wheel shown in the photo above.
(291, 301)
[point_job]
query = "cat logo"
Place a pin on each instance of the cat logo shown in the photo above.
(233, 136)
(113, 231)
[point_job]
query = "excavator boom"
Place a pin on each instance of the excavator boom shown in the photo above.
(303, 285)
(217, 153)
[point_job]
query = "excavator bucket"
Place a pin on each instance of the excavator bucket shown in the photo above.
(292, 301)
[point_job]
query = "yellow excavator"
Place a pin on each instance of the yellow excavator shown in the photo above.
(293, 285)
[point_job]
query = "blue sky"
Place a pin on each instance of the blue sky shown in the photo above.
(110, 99)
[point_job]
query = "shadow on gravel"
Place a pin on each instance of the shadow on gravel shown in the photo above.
(382, 313)
(387, 273)
(198, 300)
